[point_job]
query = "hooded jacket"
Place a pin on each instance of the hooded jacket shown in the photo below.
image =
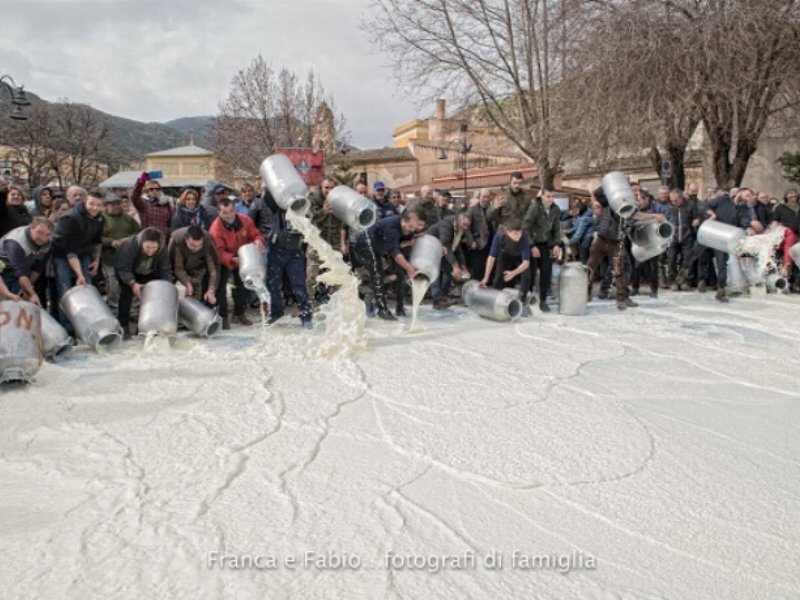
(77, 233)
(131, 261)
(36, 211)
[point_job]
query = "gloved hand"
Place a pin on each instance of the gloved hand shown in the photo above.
(143, 177)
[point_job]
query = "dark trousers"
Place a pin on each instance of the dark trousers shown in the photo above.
(476, 262)
(292, 264)
(441, 287)
(682, 248)
(702, 255)
(239, 293)
(647, 269)
(509, 263)
(126, 299)
(612, 250)
(544, 265)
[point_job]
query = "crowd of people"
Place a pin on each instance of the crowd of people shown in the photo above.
(511, 238)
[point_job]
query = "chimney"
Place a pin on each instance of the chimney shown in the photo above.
(440, 109)
(191, 138)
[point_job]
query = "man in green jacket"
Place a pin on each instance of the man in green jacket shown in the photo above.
(542, 223)
(511, 205)
(117, 227)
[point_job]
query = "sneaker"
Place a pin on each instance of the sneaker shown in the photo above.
(242, 320)
(386, 315)
(721, 295)
(630, 303)
(400, 312)
(702, 286)
(543, 307)
(635, 292)
(622, 306)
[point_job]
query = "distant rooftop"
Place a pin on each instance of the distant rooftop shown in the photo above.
(190, 150)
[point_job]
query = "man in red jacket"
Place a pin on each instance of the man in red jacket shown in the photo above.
(230, 231)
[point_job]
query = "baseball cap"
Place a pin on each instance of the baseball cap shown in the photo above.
(378, 185)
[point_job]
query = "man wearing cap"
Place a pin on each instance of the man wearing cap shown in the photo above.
(384, 206)
(154, 206)
(215, 192)
(118, 226)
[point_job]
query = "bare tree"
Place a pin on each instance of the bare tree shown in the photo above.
(265, 110)
(30, 143)
(508, 56)
(81, 144)
(657, 68)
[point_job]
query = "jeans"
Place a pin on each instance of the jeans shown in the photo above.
(126, 299)
(292, 263)
(65, 279)
(441, 286)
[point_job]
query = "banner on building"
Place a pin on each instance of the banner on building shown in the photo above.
(308, 163)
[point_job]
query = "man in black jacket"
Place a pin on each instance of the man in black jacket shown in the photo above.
(140, 259)
(77, 244)
(722, 208)
(450, 231)
(286, 257)
(384, 240)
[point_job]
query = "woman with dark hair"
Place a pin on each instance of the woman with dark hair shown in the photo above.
(13, 212)
(189, 212)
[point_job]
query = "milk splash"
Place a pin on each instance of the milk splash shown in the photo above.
(344, 314)
(419, 285)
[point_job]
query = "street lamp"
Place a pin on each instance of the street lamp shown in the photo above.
(18, 98)
(464, 149)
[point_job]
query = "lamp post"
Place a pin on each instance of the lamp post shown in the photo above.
(18, 98)
(464, 149)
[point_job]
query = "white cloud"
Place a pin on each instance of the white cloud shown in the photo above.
(156, 60)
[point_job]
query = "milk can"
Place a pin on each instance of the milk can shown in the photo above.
(56, 342)
(284, 183)
(497, 305)
(426, 257)
(20, 341)
(719, 236)
(572, 289)
(619, 193)
(197, 317)
(351, 208)
(158, 313)
(94, 323)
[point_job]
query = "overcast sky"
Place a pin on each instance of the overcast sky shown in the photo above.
(156, 60)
